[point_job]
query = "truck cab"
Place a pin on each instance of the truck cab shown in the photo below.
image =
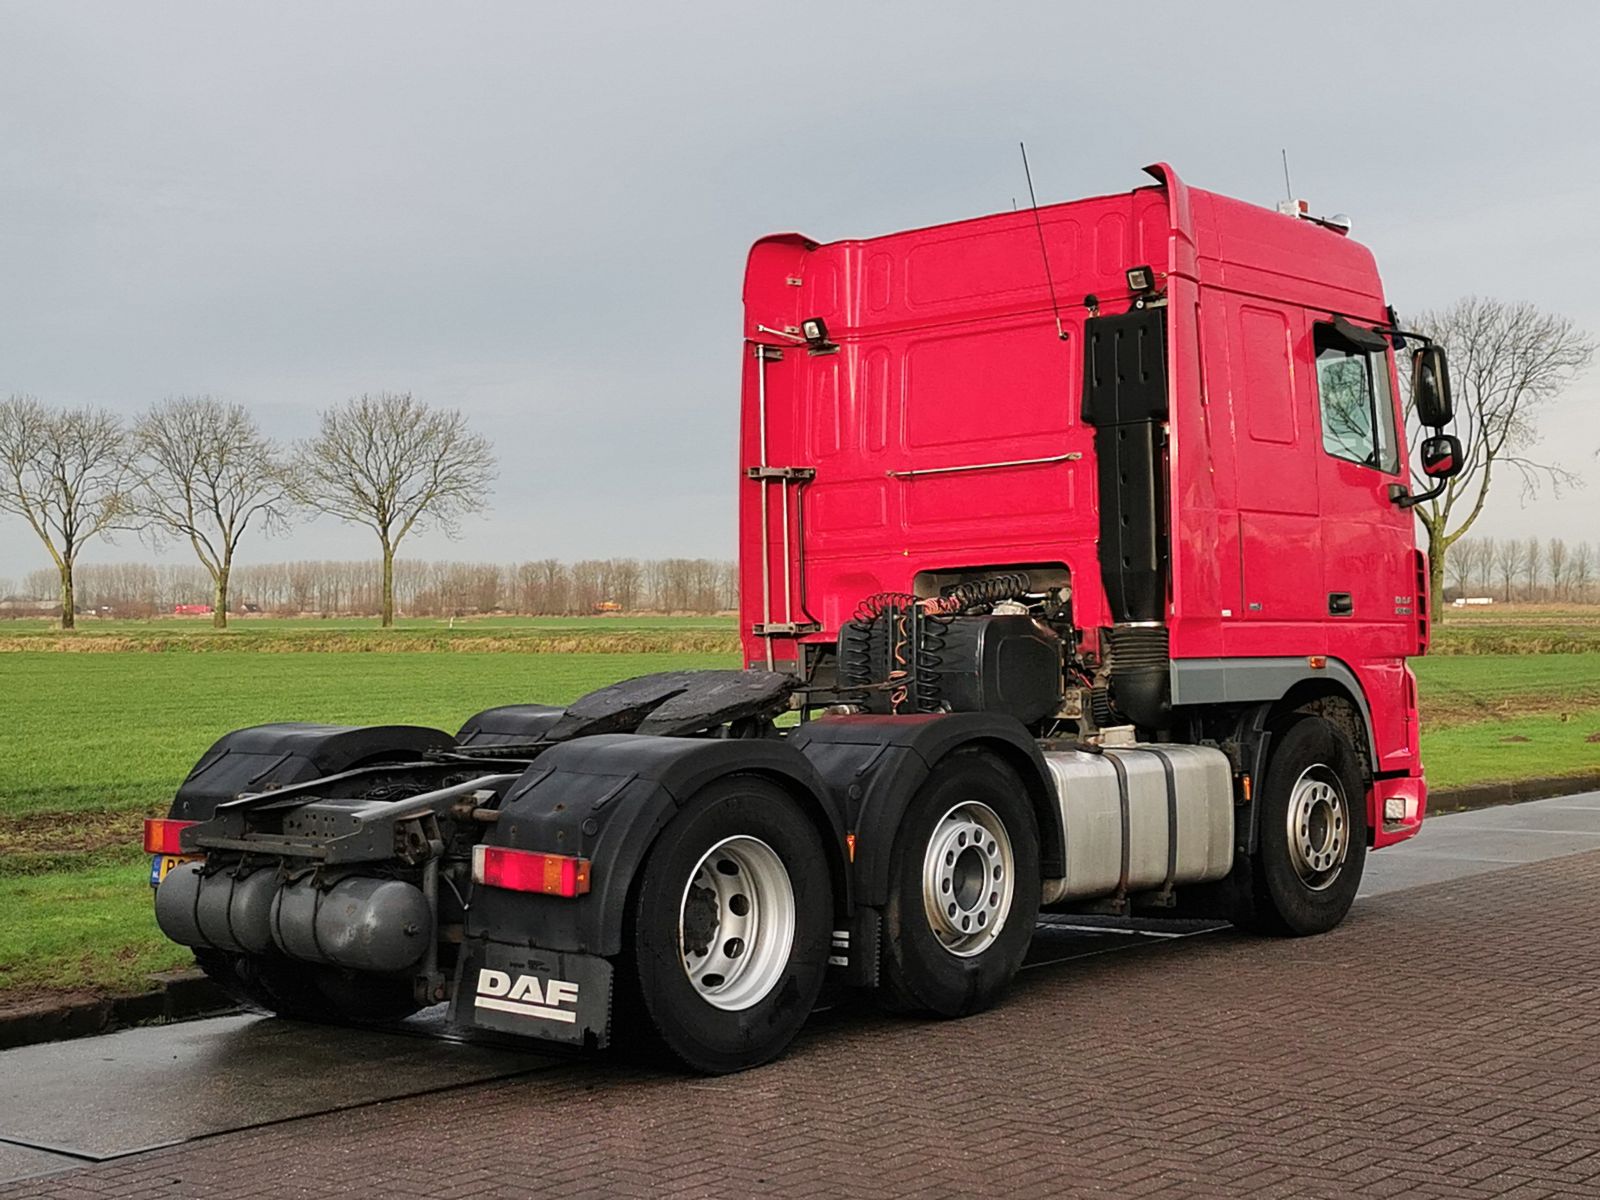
(1183, 407)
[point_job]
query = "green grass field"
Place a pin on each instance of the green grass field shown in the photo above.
(90, 743)
(475, 635)
(93, 743)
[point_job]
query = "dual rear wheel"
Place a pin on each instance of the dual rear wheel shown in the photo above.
(729, 927)
(728, 930)
(964, 889)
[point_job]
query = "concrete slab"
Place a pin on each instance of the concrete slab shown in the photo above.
(1458, 845)
(1061, 937)
(24, 1162)
(107, 1096)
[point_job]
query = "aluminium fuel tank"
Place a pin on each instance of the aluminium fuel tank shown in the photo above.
(1141, 818)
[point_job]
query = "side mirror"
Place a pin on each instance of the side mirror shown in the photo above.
(1441, 456)
(1430, 386)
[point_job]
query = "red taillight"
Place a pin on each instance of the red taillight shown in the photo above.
(530, 871)
(161, 835)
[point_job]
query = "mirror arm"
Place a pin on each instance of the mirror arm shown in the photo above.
(1402, 495)
(1396, 331)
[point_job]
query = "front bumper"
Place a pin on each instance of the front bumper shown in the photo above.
(1405, 796)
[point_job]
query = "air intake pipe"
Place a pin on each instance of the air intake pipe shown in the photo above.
(1125, 400)
(1141, 677)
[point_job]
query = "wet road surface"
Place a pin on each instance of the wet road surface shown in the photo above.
(72, 1114)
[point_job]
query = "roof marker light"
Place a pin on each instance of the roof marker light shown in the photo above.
(1141, 279)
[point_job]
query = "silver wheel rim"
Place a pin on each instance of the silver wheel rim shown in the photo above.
(736, 923)
(968, 877)
(1319, 827)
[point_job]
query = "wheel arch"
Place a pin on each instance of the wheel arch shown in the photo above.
(607, 798)
(1334, 701)
(1278, 685)
(292, 752)
(876, 764)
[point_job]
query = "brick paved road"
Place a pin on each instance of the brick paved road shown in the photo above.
(1441, 1043)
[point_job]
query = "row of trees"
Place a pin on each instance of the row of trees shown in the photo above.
(1508, 363)
(1526, 569)
(543, 588)
(199, 471)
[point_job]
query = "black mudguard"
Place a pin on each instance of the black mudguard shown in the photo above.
(249, 759)
(875, 764)
(508, 725)
(605, 798)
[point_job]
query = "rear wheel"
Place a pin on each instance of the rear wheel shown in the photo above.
(1312, 830)
(964, 878)
(729, 929)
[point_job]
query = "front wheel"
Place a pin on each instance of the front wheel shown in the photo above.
(964, 889)
(730, 926)
(1312, 831)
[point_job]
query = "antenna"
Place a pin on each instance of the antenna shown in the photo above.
(1044, 253)
(1288, 191)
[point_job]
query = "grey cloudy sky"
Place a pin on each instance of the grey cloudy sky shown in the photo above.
(539, 213)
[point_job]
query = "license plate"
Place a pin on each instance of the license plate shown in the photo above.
(160, 864)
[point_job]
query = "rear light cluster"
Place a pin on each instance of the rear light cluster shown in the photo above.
(161, 835)
(530, 871)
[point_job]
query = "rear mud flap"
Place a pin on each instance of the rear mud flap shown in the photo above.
(533, 993)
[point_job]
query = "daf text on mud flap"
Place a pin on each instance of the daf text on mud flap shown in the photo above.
(525, 997)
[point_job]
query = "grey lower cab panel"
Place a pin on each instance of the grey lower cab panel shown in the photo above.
(1139, 818)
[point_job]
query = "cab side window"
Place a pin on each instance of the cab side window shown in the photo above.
(1357, 405)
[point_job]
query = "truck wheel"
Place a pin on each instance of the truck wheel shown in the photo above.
(1312, 831)
(305, 992)
(964, 889)
(730, 926)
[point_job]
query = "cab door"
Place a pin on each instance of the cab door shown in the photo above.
(1275, 441)
(1367, 540)
(1370, 569)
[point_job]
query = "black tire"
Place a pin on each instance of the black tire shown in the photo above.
(1290, 897)
(305, 992)
(659, 1008)
(921, 973)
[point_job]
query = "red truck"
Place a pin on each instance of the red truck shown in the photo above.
(1078, 573)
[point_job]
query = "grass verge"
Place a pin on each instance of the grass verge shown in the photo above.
(91, 743)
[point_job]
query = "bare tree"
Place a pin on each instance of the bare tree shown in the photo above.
(65, 474)
(206, 473)
(1578, 573)
(1507, 361)
(393, 464)
(1463, 563)
(1532, 566)
(1556, 556)
(1480, 563)
(1508, 562)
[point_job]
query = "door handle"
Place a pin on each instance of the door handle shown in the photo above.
(1341, 604)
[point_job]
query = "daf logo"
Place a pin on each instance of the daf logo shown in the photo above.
(527, 996)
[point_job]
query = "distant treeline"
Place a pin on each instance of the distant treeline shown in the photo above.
(1530, 569)
(547, 587)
